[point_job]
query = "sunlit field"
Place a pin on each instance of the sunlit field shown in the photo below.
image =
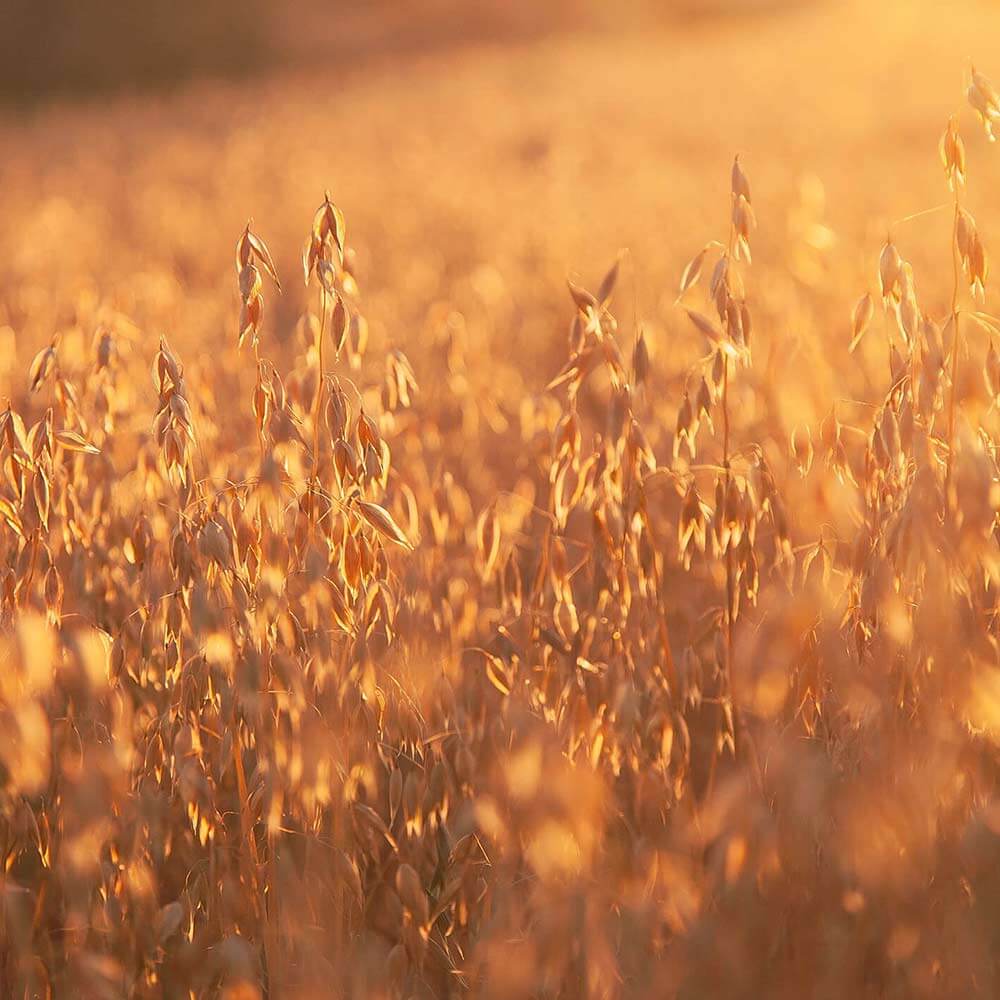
(509, 519)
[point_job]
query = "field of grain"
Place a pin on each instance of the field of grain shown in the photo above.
(509, 520)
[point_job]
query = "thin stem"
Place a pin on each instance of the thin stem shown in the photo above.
(730, 586)
(956, 268)
(260, 430)
(319, 381)
(730, 581)
(888, 336)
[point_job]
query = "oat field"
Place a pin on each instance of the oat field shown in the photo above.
(511, 520)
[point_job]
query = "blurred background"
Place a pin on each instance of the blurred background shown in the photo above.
(481, 152)
(65, 46)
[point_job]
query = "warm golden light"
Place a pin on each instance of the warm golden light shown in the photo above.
(499, 500)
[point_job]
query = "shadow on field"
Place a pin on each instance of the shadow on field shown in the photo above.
(68, 48)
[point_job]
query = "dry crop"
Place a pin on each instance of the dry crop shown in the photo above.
(329, 673)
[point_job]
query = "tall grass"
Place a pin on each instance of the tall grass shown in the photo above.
(306, 694)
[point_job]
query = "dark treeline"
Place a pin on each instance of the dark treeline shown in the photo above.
(85, 46)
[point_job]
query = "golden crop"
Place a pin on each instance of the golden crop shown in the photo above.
(386, 616)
